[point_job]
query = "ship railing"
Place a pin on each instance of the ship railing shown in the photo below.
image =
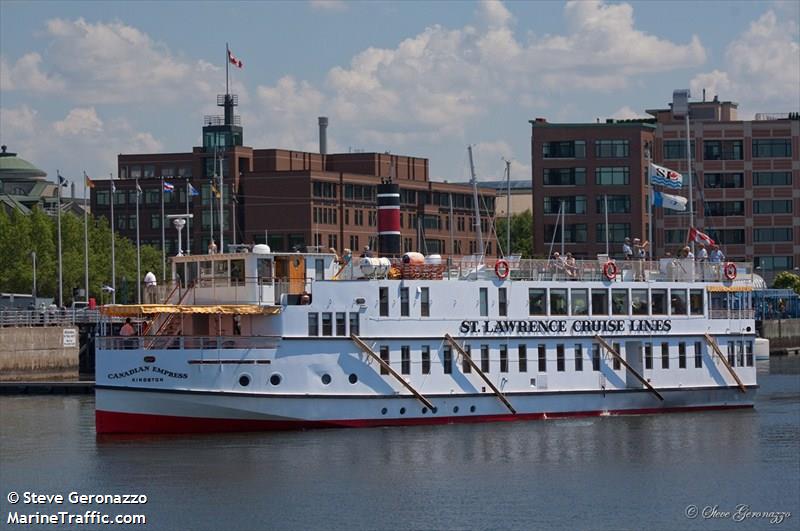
(186, 342)
(663, 270)
(66, 317)
(223, 289)
(732, 314)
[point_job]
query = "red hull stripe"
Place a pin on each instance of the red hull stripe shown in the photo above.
(389, 219)
(114, 422)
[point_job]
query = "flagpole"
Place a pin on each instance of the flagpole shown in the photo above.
(138, 248)
(227, 63)
(689, 164)
(113, 244)
(605, 209)
(163, 249)
(221, 214)
(86, 188)
(233, 214)
(58, 221)
(648, 156)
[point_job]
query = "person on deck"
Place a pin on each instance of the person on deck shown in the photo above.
(212, 247)
(150, 287)
(627, 250)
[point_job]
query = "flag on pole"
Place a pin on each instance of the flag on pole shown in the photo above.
(169, 187)
(671, 202)
(665, 177)
(62, 181)
(113, 186)
(89, 182)
(193, 191)
(699, 237)
(138, 188)
(214, 189)
(233, 60)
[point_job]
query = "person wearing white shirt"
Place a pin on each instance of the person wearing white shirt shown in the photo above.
(150, 286)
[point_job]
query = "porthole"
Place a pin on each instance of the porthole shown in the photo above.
(435, 410)
(384, 411)
(353, 378)
(424, 410)
(275, 379)
(244, 380)
(455, 409)
(402, 411)
(472, 409)
(326, 379)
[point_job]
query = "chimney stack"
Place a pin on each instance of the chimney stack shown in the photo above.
(323, 135)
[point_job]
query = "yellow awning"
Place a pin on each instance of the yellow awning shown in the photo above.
(130, 310)
(729, 289)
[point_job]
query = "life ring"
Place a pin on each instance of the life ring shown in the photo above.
(502, 269)
(610, 270)
(730, 271)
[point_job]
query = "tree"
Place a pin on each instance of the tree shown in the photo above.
(787, 280)
(521, 233)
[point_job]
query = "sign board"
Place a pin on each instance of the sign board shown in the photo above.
(70, 338)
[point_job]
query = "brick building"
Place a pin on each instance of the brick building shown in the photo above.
(746, 183)
(288, 198)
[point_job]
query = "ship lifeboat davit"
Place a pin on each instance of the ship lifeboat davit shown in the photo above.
(374, 267)
(413, 259)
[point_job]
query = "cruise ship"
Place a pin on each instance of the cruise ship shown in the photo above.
(263, 340)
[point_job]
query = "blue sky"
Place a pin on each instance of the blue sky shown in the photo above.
(83, 81)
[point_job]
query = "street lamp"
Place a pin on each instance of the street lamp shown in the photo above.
(179, 221)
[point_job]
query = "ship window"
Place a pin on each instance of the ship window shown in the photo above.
(503, 358)
(237, 272)
(485, 358)
(536, 301)
(275, 379)
(265, 270)
(580, 302)
(749, 353)
(677, 301)
(313, 324)
(696, 301)
(617, 364)
(740, 353)
(484, 301)
(681, 355)
(426, 359)
(327, 324)
(542, 358)
(658, 301)
(502, 302)
(595, 357)
(698, 355)
(326, 379)
(353, 378)
(447, 359)
(385, 358)
(619, 301)
(341, 324)
(405, 359)
(465, 366)
(732, 353)
(384, 411)
(523, 358)
(558, 301)
(665, 355)
(244, 380)
(221, 269)
(578, 357)
(648, 355)
(639, 302)
(383, 297)
(319, 269)
(404, 302)
(354, 323)
(560, 358)
(424, 302)
(599, 302)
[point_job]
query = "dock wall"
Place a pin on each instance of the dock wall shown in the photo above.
(783, 334)
(38, 353)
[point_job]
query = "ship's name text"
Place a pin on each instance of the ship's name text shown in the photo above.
(562, 326)
(144, 369)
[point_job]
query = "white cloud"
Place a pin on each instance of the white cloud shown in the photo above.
(762, 66)
(79, 121)
(626, 113)
(328, 5)
(288, 111)
(490, 157)
(26, 74)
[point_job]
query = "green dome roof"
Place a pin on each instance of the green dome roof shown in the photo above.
(13, 167)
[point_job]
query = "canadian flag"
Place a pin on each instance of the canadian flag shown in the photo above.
(234, 61)
(699, 237)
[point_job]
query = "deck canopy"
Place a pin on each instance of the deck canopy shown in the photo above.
(130, 310)
(729, 289)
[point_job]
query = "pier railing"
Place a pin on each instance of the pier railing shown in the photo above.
(186, 342)
(67, 317)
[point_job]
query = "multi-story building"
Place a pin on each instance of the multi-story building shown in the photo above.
(577, 170)
(288, 199)
(520, 199)
(746, 183)
(746, 178)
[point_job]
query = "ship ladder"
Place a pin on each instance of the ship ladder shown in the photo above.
(625, 363)
(716, 349)
(478, 370)
(363, 346)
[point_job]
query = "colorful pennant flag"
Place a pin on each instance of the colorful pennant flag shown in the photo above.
(169, 187)
(233, 60)
(699, 237)
(671, 202)
(193, 191)
(665, 177)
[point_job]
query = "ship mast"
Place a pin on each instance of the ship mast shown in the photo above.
(475, 201)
